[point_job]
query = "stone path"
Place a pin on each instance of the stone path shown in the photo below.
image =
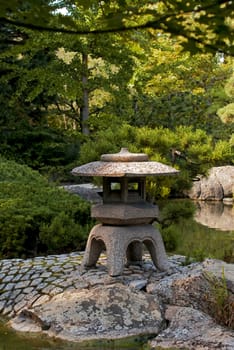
(24, 282)
(31, 282)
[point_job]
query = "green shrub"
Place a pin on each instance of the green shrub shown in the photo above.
(37, 217)
(197, 151)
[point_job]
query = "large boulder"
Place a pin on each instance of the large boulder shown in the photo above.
(194, 330)
(88, 192)
(192, 286)
(194, 299)
(113, 311)
(219, 184)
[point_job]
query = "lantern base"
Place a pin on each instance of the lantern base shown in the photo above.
(124, 244)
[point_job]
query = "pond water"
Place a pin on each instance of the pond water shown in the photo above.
(209, 234)
(10, 340)
(215, 215)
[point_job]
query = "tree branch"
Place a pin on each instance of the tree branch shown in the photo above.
(149, 24)
(154, 24)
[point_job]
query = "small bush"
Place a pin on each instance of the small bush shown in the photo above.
(37, 217)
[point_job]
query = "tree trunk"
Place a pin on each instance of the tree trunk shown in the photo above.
(84, 110)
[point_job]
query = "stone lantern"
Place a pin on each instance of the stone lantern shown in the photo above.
(125, 216)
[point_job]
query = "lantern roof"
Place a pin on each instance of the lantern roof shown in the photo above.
(123, 164)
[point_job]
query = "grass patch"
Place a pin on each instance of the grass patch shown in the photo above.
(220, 301)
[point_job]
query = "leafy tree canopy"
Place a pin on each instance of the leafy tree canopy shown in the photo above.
(199, 24)
(226, 113)
(98, 69)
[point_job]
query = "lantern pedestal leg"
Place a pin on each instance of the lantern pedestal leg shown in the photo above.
(124, 244)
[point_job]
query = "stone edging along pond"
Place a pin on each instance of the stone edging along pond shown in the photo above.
(49, 295)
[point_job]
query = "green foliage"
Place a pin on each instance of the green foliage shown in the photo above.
(223, 153)
(143, 78)
(197, 153)
(172, 88)
(107, 141)
(187, 20)
(171, 238)
(229, 86)
(220, 301)
(226, 113)
(159, 187)
(48, 150)
(139, 77)
(57, 78)
(36, 217)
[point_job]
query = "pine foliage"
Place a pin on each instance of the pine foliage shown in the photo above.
(37, 217)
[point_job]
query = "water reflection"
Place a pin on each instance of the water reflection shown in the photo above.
(11, 340)
(215, 215)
